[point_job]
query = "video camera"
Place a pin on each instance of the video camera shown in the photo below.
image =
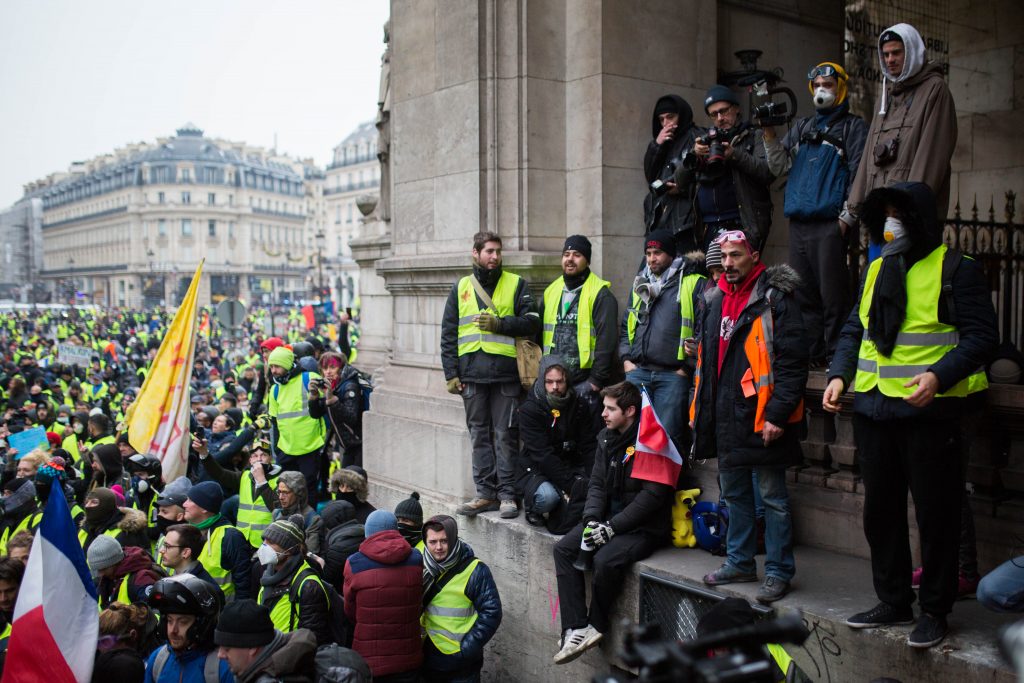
(667, 661)
(773, 113)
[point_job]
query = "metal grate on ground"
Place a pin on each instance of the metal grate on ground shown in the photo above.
(677, 607)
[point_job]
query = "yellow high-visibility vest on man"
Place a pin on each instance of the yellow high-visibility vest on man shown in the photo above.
(484, 314)
(914, 350)
(253, 514)
(580, 316)
(299, 428)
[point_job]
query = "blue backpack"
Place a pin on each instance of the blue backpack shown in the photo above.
(820, 175)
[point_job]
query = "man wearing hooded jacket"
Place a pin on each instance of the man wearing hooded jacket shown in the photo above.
(668, 205)
(478, 355)
(913, 134)
(558, 442)
(915, 357)
(820, 154)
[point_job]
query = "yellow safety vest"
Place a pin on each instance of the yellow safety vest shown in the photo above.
(297, 432)
(687, 284)
(210, 558)
(451, 615)
(782, 660)
(90, 444)
(253, 515)
(586, 335)
(92, 393)
(70, 444)
(283, 617)
(5, 635)
(471, 337)
(29, 523)
(83, 535)
(922, 340)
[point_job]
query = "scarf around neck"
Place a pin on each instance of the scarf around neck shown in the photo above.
(648, 286)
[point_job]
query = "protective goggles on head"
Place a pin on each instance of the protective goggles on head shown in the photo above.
(826, 71)
(731, 236)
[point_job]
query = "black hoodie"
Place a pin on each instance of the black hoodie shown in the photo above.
(671, 211)
(977, 325)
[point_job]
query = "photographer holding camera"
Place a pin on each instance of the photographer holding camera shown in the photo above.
(913, 135)
(731, 170)
(820, 154)
(668, 205)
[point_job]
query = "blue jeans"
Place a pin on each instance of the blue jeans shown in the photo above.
(669, 393)
(1002, 589)
(741, 538)
(545, 499)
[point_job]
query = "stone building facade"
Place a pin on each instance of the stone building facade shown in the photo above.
(21, 253)
(353, 173)
(128, 228)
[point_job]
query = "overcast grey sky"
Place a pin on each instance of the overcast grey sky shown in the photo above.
(78, 78)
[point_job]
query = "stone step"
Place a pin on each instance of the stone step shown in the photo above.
(828, 588)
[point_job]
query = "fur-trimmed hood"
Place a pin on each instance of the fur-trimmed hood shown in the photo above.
(783, 277)
(132, 520)
(353, 481)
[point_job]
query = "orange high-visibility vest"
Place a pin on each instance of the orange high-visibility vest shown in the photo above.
(759, 379)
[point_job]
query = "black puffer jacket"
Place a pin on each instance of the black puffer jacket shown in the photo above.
(345, 416)
(724, 420)
(342, 535)
(481, 367)
(630, 505)
(561, 449)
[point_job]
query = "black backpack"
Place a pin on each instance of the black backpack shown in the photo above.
(337, 664)
(340, 632)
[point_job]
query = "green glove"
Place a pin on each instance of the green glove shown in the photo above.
(488, 322)
(454, 386)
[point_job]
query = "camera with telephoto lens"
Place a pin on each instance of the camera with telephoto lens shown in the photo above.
(716, 139)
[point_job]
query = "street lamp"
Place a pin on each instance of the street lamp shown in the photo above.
(321, 240)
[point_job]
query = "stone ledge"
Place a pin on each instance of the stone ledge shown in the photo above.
(828, 588)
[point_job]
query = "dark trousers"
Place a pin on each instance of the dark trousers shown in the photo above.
(817, 251)
(610, 564)
(490, 417)
(922, 457)
(309, 465)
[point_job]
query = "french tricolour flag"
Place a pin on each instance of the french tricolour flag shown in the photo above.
(656, 458)
(56, 621)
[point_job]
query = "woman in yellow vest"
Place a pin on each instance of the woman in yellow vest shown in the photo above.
(914, 349)
(289, 588)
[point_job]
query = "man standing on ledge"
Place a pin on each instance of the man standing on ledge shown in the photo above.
(484, 314)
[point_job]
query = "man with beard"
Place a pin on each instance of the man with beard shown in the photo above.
(483, 315)
(558, 446)
(580, 317)
(189, 610)
(667, 205)
(625, 520)
(660, 318)
(461, 605)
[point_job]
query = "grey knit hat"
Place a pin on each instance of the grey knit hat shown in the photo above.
(104, 552)
(286, 533)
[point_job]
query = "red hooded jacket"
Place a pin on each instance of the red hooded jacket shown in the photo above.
(383, 599)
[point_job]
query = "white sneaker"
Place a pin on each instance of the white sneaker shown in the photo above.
(576, 642)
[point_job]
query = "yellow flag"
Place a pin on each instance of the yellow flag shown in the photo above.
(158, 419)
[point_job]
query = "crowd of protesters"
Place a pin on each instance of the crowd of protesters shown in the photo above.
(266, 559)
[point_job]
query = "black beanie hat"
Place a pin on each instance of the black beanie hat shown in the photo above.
(720, 93)
(411, 509)
(661, 239)
(578, 243)
(244, 623)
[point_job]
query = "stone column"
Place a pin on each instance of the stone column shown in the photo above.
(375, 303)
